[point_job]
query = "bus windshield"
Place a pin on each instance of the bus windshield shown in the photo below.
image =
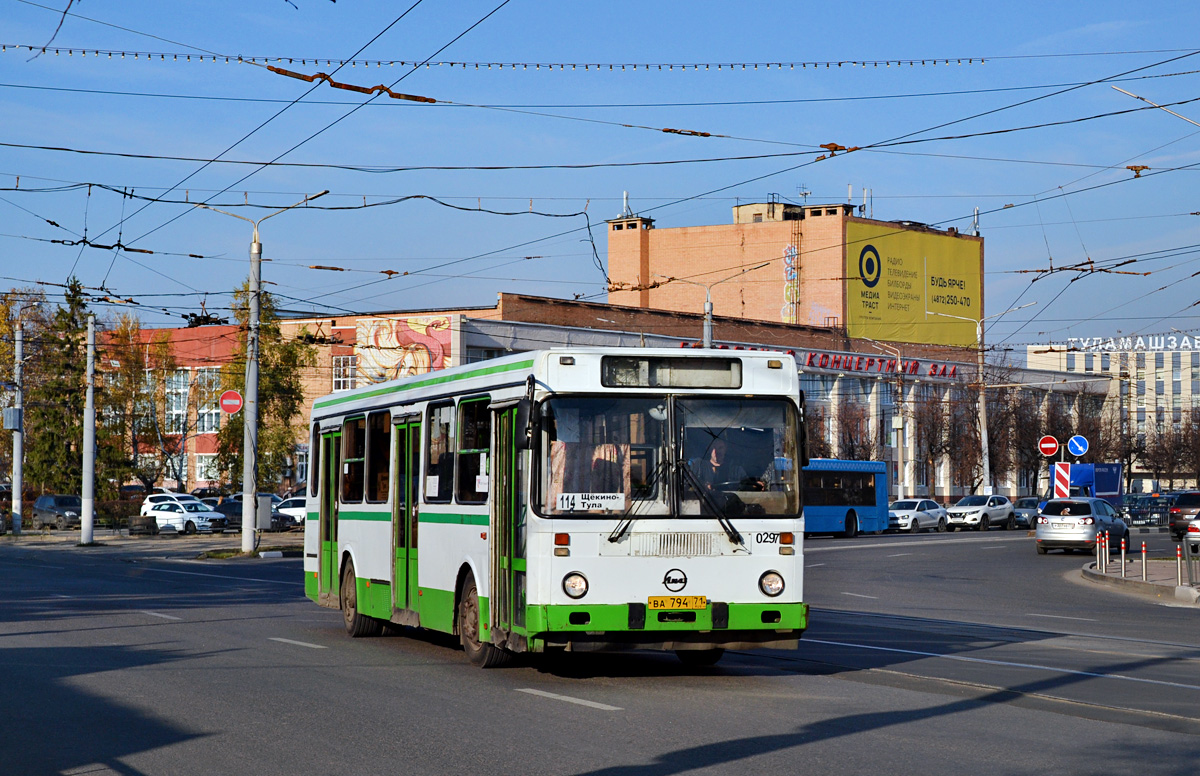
(668, 457)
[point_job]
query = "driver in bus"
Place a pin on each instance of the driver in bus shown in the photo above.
(715, 473)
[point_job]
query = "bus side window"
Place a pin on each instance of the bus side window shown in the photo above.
(379, 455)
(474, 439)
(314, 468)
(354, 454)
(439, 454)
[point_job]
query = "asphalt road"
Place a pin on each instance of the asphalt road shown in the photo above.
(937, 654)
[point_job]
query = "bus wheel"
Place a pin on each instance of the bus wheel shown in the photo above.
(851, 526)
(480, 654)
(357, 624)
(699, 658)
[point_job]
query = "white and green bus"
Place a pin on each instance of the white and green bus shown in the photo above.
(567, 499)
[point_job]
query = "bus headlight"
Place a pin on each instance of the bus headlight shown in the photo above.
(575, 585)
(771, 583)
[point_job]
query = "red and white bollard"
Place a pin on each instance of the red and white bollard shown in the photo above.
(1179, 565)
(1122, 557)
(1143, 561)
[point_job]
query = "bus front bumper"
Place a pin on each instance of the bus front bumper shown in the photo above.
(605, 627)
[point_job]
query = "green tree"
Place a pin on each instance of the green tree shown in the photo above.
(54, 398)
(280, 394)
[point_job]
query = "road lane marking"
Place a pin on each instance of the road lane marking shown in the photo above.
(860, 595)
(900, 555)
(930, 542)
(164, 616)
(1062, 617)
(222, 576)
(297, 643)
(569, 699)
(812, 565)
(1005, 663)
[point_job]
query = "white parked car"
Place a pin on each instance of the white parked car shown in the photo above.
(294, 507)
(915, 515)
(186, 518)
(154, 499)
(980, 513)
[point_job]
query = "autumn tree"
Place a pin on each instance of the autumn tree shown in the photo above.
(280, 393)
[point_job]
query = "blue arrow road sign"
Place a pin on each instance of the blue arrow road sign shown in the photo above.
(1077, 445)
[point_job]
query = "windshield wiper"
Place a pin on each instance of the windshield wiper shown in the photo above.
(628, 518)
(719, 513)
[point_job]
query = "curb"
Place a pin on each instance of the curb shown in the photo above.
(1184, 593)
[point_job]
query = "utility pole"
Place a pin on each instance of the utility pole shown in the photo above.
(706, 340)
(250, 408)
(18, 482)
(983, 437)
(88, 517)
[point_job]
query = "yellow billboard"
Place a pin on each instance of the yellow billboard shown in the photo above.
(898, 280)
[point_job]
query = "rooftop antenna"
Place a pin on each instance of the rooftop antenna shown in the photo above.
(803, 193)
(626, 212)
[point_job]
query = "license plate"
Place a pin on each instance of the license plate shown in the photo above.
(670, 602)
(1063, 525)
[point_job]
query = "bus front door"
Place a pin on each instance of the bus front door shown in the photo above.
(407, 438)
(327, 574)
(508, 536)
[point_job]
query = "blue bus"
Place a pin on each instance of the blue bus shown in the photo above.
(845, 497)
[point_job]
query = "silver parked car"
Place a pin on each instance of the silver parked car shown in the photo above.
(980, 513)
(1026, 510)
(1075, 523)
(915, 515)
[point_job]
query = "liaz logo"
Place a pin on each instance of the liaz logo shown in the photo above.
(869, 266)
(675, 580)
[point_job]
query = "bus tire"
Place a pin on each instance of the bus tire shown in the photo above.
(851, 526)
(479, 653)
(699, 658)
(357, 624)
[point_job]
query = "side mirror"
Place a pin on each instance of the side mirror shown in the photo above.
(523, 427)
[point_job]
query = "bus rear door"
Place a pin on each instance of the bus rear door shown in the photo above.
(327, 575)
(508, 535)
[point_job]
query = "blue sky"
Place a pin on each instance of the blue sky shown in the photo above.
(1072, 198)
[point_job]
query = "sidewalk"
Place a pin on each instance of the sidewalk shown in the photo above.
(287, 541)
(1161, 578)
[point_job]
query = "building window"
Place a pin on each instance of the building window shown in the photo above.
(1141, 387)
(1105, 362)
(1158, 360)
(1089, 363)
(206, 468)
(475, 355)
(208, 411)
(1141, 360)
(301, 457)
(1070, 362)
(1177, 387)
(177, 401)
(1176, 360)
(345, 372)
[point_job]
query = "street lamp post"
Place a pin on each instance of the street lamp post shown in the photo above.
(983, 437)
(899, 413)
(250, 420)
(706, 340)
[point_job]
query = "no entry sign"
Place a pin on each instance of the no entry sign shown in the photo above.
(1047, 445)
(231, 402)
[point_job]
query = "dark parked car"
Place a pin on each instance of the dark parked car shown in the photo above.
(1185, 509)
(232, 510)
(60, 512)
